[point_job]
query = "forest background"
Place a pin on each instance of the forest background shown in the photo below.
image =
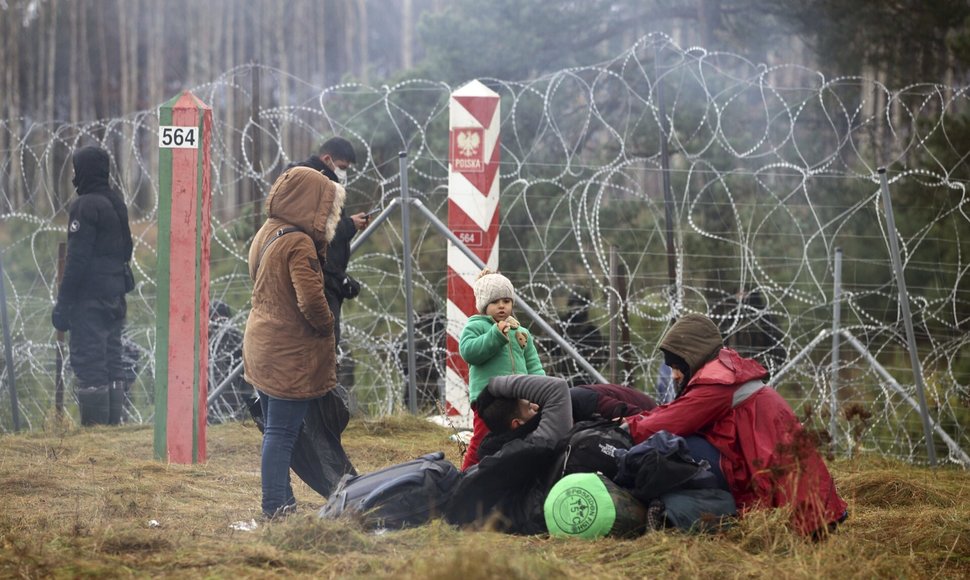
(66, 61)
(104, 62)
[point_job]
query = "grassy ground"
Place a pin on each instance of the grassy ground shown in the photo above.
(77, 503)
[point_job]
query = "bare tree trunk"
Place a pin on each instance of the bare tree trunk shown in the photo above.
(233, 199)
(218, 36)
(129, 62)
(221, 47)
(245, 40)
(247, 48)
(407, 35)
(155, 85)
(103, 100)
(234, 35)
(349, 28)
(709, 18)
(51, 62)
(31, 57)
(301, 66)
(263, 29)
(156, 50)
(86, 107)
(195, 27)
(73, 80)
(322, 47)
(127, 67)
(362, 56)
(312, 68)
(42, 202)
(5, 107)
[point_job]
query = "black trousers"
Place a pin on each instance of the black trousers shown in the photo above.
(95, 340)
(335, 303)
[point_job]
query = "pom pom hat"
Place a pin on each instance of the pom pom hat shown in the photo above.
(491, 286)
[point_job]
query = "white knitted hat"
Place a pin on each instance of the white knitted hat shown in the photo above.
(490, 287)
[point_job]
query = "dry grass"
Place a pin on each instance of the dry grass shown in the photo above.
(78, 503)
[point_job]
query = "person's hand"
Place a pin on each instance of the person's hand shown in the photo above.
(503, 327)
(59, 318)
(360, 220)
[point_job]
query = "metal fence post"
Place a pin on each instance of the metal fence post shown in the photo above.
(907, 315)
(8, 352)
(408, 293)
(836, 322)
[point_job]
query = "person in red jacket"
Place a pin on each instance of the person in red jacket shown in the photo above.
(764, 454)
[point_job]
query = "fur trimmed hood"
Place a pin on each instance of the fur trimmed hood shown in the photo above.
(308, 200)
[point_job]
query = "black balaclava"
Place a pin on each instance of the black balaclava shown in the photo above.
(91, 167)
(676, 362)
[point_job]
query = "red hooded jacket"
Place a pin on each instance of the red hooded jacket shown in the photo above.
(767, 457)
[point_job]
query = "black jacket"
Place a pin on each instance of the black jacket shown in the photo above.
(99, 238)
(338, 252)
(518, 467)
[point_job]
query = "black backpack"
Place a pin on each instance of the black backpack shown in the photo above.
(407, 494)
(592, 446)
(661, 464)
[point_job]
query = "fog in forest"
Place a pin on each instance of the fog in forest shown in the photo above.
(65, 61)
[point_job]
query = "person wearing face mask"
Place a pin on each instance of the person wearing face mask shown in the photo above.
(746, 430)
(91, 299)
(333, 159)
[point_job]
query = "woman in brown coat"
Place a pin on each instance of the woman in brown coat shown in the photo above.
(288, 349)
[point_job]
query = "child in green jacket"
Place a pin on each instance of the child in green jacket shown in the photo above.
(493, 343)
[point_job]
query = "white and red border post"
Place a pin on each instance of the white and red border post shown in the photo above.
(182, 305)
(473, 217)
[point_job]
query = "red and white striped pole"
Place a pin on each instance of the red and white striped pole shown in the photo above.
(182, 304)
(473, 192)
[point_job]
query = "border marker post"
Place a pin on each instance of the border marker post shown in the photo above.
(473, 217)
(182, 306)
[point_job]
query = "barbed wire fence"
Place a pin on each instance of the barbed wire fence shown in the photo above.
(770, 169)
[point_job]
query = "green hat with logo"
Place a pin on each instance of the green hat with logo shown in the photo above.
(589, 505)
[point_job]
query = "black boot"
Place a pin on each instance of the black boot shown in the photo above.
(118, 400)
(94, 403)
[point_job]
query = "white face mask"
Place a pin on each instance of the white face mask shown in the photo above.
(341, 174)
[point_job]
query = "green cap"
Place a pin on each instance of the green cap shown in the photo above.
(580, 506)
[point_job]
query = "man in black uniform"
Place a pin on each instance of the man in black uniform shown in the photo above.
(91, 301)
(333, 159)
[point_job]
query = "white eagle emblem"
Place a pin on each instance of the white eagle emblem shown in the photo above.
(75, 226)
(468, 142)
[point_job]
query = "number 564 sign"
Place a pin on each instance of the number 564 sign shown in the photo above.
(170, 137)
